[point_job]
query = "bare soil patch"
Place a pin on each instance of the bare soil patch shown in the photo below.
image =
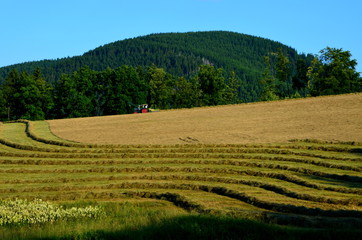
(332, 118)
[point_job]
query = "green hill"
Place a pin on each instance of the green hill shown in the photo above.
(178, 53)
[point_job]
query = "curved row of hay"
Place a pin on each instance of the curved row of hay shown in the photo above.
(270, 182)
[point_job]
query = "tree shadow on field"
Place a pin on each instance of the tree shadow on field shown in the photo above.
(209, 227)
(357, 151)
(334, 182)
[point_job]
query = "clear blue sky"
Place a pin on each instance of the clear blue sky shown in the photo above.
(49, 29)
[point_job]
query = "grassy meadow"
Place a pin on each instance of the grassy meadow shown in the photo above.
(188, 190)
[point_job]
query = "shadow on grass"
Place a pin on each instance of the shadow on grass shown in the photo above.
(357, 151)
(209, 227)
(334, 182)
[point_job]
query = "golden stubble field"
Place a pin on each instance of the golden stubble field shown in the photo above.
(332, 118)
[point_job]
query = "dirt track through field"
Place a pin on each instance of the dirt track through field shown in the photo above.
(324, 118)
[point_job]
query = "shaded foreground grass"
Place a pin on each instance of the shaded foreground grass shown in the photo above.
(161, 220)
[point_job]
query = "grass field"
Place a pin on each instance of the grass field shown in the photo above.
(204, 190)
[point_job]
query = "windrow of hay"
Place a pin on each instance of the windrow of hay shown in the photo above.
(270, 187)
(222, 171)
(268, 205)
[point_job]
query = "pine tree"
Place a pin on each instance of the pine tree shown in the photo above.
(268, 83)
(231, 93)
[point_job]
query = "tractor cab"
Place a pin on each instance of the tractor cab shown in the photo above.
(142, 108)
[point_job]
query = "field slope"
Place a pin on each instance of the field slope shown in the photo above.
(332, 118)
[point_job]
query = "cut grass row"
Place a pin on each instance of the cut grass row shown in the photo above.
(10, 181)
(177, 170)
(278, 203)
(242, 160)
(13, 187)
(245, 168)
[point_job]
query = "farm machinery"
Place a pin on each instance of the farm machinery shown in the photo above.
(142, 108)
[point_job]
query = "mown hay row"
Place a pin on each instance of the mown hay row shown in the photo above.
(278, 207)
(264, 216)
(345, 177)
(187, 156)
(174, 161)
(280, 176)
(177, 150)
(352, 143)
(175, 198)
(30, 133)
(284, 208)
(269, 187)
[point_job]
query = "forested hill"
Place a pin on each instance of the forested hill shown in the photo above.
(178, 53)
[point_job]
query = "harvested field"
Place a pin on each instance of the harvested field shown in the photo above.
(287, 183)
(329, 118)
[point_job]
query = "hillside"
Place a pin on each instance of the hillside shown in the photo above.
(331, 118)
(178, 53)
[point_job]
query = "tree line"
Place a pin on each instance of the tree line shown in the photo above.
(331, 72)
(87, 92)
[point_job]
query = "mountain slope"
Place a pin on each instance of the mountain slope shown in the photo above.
(178, 53)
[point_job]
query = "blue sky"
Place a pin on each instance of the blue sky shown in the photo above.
(49, 29)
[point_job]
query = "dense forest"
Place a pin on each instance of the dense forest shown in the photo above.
(180, 54)
(174, 70)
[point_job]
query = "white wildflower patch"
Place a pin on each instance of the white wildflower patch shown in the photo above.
(20, 211)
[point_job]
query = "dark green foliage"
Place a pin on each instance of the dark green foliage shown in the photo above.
(212, 85)
(180, 54)
(187, 93)
(3, 107)
(284, 76)
(25, 96)
(333, 72)
(91, 93)
(232, 90)
(268, 82)
(87, 92)
(160, 87)
(300, 80)
(74, 94)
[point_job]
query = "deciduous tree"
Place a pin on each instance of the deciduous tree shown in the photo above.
(212, 84)
(186, 93)
(160, 90)
(333, 72)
